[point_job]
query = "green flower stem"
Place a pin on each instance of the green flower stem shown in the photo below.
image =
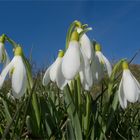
(13, 43)
(79, 90)
(70, 30)
(87, 116)
(30, 86)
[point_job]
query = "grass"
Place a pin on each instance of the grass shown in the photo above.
(69, 114)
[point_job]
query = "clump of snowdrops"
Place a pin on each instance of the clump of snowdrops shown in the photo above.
(79, 97)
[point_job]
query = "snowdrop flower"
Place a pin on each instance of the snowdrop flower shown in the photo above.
(102, 59)
(86, 73)
(4, 58)
(54, 72)
(97, 69)
(71, 62)
(18, 74)
(129, 88)
(86, 46)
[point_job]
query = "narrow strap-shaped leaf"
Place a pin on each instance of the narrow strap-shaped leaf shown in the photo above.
(6, 110)
(6, 131)
(115, 70)
(36, 108)
(87, 116)
(73, 114)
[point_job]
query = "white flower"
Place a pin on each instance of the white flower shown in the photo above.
(72, 59)
(4, 58)
(19, 77)
(86, 46)
(54, 73)
(86, 73)
(102, 59)
(97, 69)
(129, 88)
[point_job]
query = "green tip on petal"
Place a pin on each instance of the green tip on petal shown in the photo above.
(125, 65)
(75, 36)
(18, 51)
(78, 24)
(2, 38)
(61, 53)
(97, 47)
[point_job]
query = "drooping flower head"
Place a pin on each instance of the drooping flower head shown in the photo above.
(86, 46)
(4, 58)
(54, 72)
(102, 59)
(72, 59)
(18, 74)
(129, 88)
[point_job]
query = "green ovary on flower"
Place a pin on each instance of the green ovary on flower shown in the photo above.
(75, 36)
(97, 47)
(18, 51)
(125, 65)
(61, 53)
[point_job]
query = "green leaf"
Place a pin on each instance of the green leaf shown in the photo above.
(36, 109)
(70, 131)
(87, 116)
(73, 114)
(6, 110)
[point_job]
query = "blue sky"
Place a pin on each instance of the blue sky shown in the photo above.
(43, 26)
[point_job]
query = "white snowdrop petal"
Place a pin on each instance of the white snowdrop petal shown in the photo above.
(122, 99)
(60, 79)
(88, 75)
(7, 61)
(107, 65)
(99, 55)
(46, 77)
(137, 83)
(87, 71)
(19, 78)
(5, 72)
(138, 86)
(71, 61)
(81, 77)
(84, 82)
(54, 68)
(103, 60)
(130, 87)
(22, 91)
(97, 70)
(85, 45)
